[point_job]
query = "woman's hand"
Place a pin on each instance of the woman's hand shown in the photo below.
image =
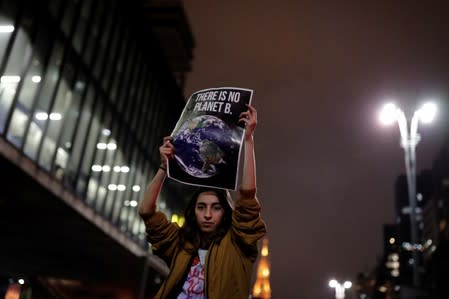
(166, 151)
(250, 119)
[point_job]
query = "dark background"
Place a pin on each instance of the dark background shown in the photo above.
(321, 70)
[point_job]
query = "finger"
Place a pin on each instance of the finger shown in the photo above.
(251, 108)
(243, 121)
(168, 144)
(244, 114)
(168, 155)
(244, 117)
(169, 148)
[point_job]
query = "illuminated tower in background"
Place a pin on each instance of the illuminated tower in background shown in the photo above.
(262, 289)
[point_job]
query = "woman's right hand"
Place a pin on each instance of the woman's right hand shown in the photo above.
(166, 151)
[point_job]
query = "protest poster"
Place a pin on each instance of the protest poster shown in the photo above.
(208, 138)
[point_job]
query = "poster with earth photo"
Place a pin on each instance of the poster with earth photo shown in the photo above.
(208, 138)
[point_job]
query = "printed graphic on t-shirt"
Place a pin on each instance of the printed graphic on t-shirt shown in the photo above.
(193, 287)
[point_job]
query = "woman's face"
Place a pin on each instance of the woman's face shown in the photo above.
(208, 211)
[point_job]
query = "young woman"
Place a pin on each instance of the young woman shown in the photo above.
(212, 255)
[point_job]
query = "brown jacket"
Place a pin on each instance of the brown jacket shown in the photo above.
(229, 263)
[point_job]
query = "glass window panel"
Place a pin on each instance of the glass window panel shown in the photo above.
(120, 162)
(48, 147)
(81, 26)
(112, 52)
(35, 136)
(94, 32)
(143, 86)
(92, 188)
(112, 190)
(97, 169)
(54, 6)
(17, 127)
(145, 118)
(41, 114)
(136, 189)
(118, 72)
(91, 147)
(51, 78)
(109, 180)
(78, 144)
(31, 84)
(101, 196)
(7, 92)
(103, 49)
(143, 178)
(17, 62)
(127, 196)
(8, 12)
(135, 227)
(129, 66)
(128, 179)
(57, 117)
(108, 160)
(134, 97)
(149, 139)
(125, 211)
(70, 122)
(34, 75)
(69, 16)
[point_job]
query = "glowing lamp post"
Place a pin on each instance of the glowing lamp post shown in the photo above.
(409, 140)
(339, 288)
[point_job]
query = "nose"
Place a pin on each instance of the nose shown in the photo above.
(208, 214)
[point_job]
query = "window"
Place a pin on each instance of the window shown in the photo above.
(81, 132)
(8, 10)
(104, 49)
(70, 12)
(41, 114)
(72, 108)
(90, 146)
(82, 26)
(57, 117)
(16, 65)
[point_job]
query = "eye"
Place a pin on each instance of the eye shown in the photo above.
(217, 208)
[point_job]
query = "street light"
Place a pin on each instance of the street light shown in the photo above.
(388, 115)
(339, 288)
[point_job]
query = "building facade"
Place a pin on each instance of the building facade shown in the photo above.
(88, 90)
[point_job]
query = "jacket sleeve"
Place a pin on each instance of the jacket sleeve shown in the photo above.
(162, 234)
(247, 224)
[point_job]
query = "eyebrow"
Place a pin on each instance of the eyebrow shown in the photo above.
(213, 204)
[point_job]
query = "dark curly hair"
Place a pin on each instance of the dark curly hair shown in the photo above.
(190, 231)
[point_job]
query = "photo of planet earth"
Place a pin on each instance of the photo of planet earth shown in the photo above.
(205, 145)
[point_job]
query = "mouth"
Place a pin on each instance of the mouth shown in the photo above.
(207, 223)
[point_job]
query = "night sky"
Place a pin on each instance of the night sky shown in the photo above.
(321, 71)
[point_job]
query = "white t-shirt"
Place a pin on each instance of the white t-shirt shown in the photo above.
(194, 287)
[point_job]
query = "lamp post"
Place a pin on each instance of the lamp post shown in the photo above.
(409, 140)
(339, 288)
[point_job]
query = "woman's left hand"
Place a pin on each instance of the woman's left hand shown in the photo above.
(250, 119)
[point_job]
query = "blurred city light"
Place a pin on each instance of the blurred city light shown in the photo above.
(10, 79)
(6, 28)
(340, 288)
(427, 112)
(388, 114)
